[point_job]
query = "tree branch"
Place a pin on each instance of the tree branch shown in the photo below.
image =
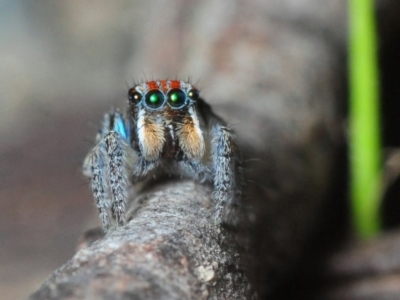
(170, 249)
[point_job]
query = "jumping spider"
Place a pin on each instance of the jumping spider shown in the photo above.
(167, 128)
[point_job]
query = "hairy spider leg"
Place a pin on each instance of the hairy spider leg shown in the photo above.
(225, 164)
(98, 183)
(118, 175)
(112, 162)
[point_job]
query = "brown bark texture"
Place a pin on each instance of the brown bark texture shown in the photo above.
(273, 69)
(170, 249)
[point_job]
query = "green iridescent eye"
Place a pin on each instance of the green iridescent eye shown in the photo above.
(154, 99)
(194, 94)
(176, 98)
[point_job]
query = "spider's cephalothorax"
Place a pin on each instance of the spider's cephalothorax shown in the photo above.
(167, 128)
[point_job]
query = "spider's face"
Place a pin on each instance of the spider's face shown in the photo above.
(168, 96)
(165, 118)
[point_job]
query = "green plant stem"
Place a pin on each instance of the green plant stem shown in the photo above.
(365, 149)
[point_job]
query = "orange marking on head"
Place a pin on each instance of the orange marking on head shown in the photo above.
(164, 86)
(152, 85)
(175, 84)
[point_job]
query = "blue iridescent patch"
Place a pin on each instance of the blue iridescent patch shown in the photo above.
(121, 128)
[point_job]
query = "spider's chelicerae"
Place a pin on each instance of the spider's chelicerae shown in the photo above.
(167, 128)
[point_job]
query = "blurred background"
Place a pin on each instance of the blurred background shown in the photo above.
(64, 63)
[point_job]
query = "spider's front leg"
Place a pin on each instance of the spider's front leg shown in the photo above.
(109, 166)
(228, 178)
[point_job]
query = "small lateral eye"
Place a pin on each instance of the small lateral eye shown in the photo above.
(154, 99)
(134, 95)
(194, 94)
(176, 98)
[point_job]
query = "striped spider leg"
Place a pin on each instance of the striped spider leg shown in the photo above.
(110, 166)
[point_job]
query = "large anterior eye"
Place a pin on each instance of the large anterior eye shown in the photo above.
(154, 99)
(194, 94)
(134, 95)
(176, 98)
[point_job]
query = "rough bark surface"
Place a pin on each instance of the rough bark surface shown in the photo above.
(170, 249)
